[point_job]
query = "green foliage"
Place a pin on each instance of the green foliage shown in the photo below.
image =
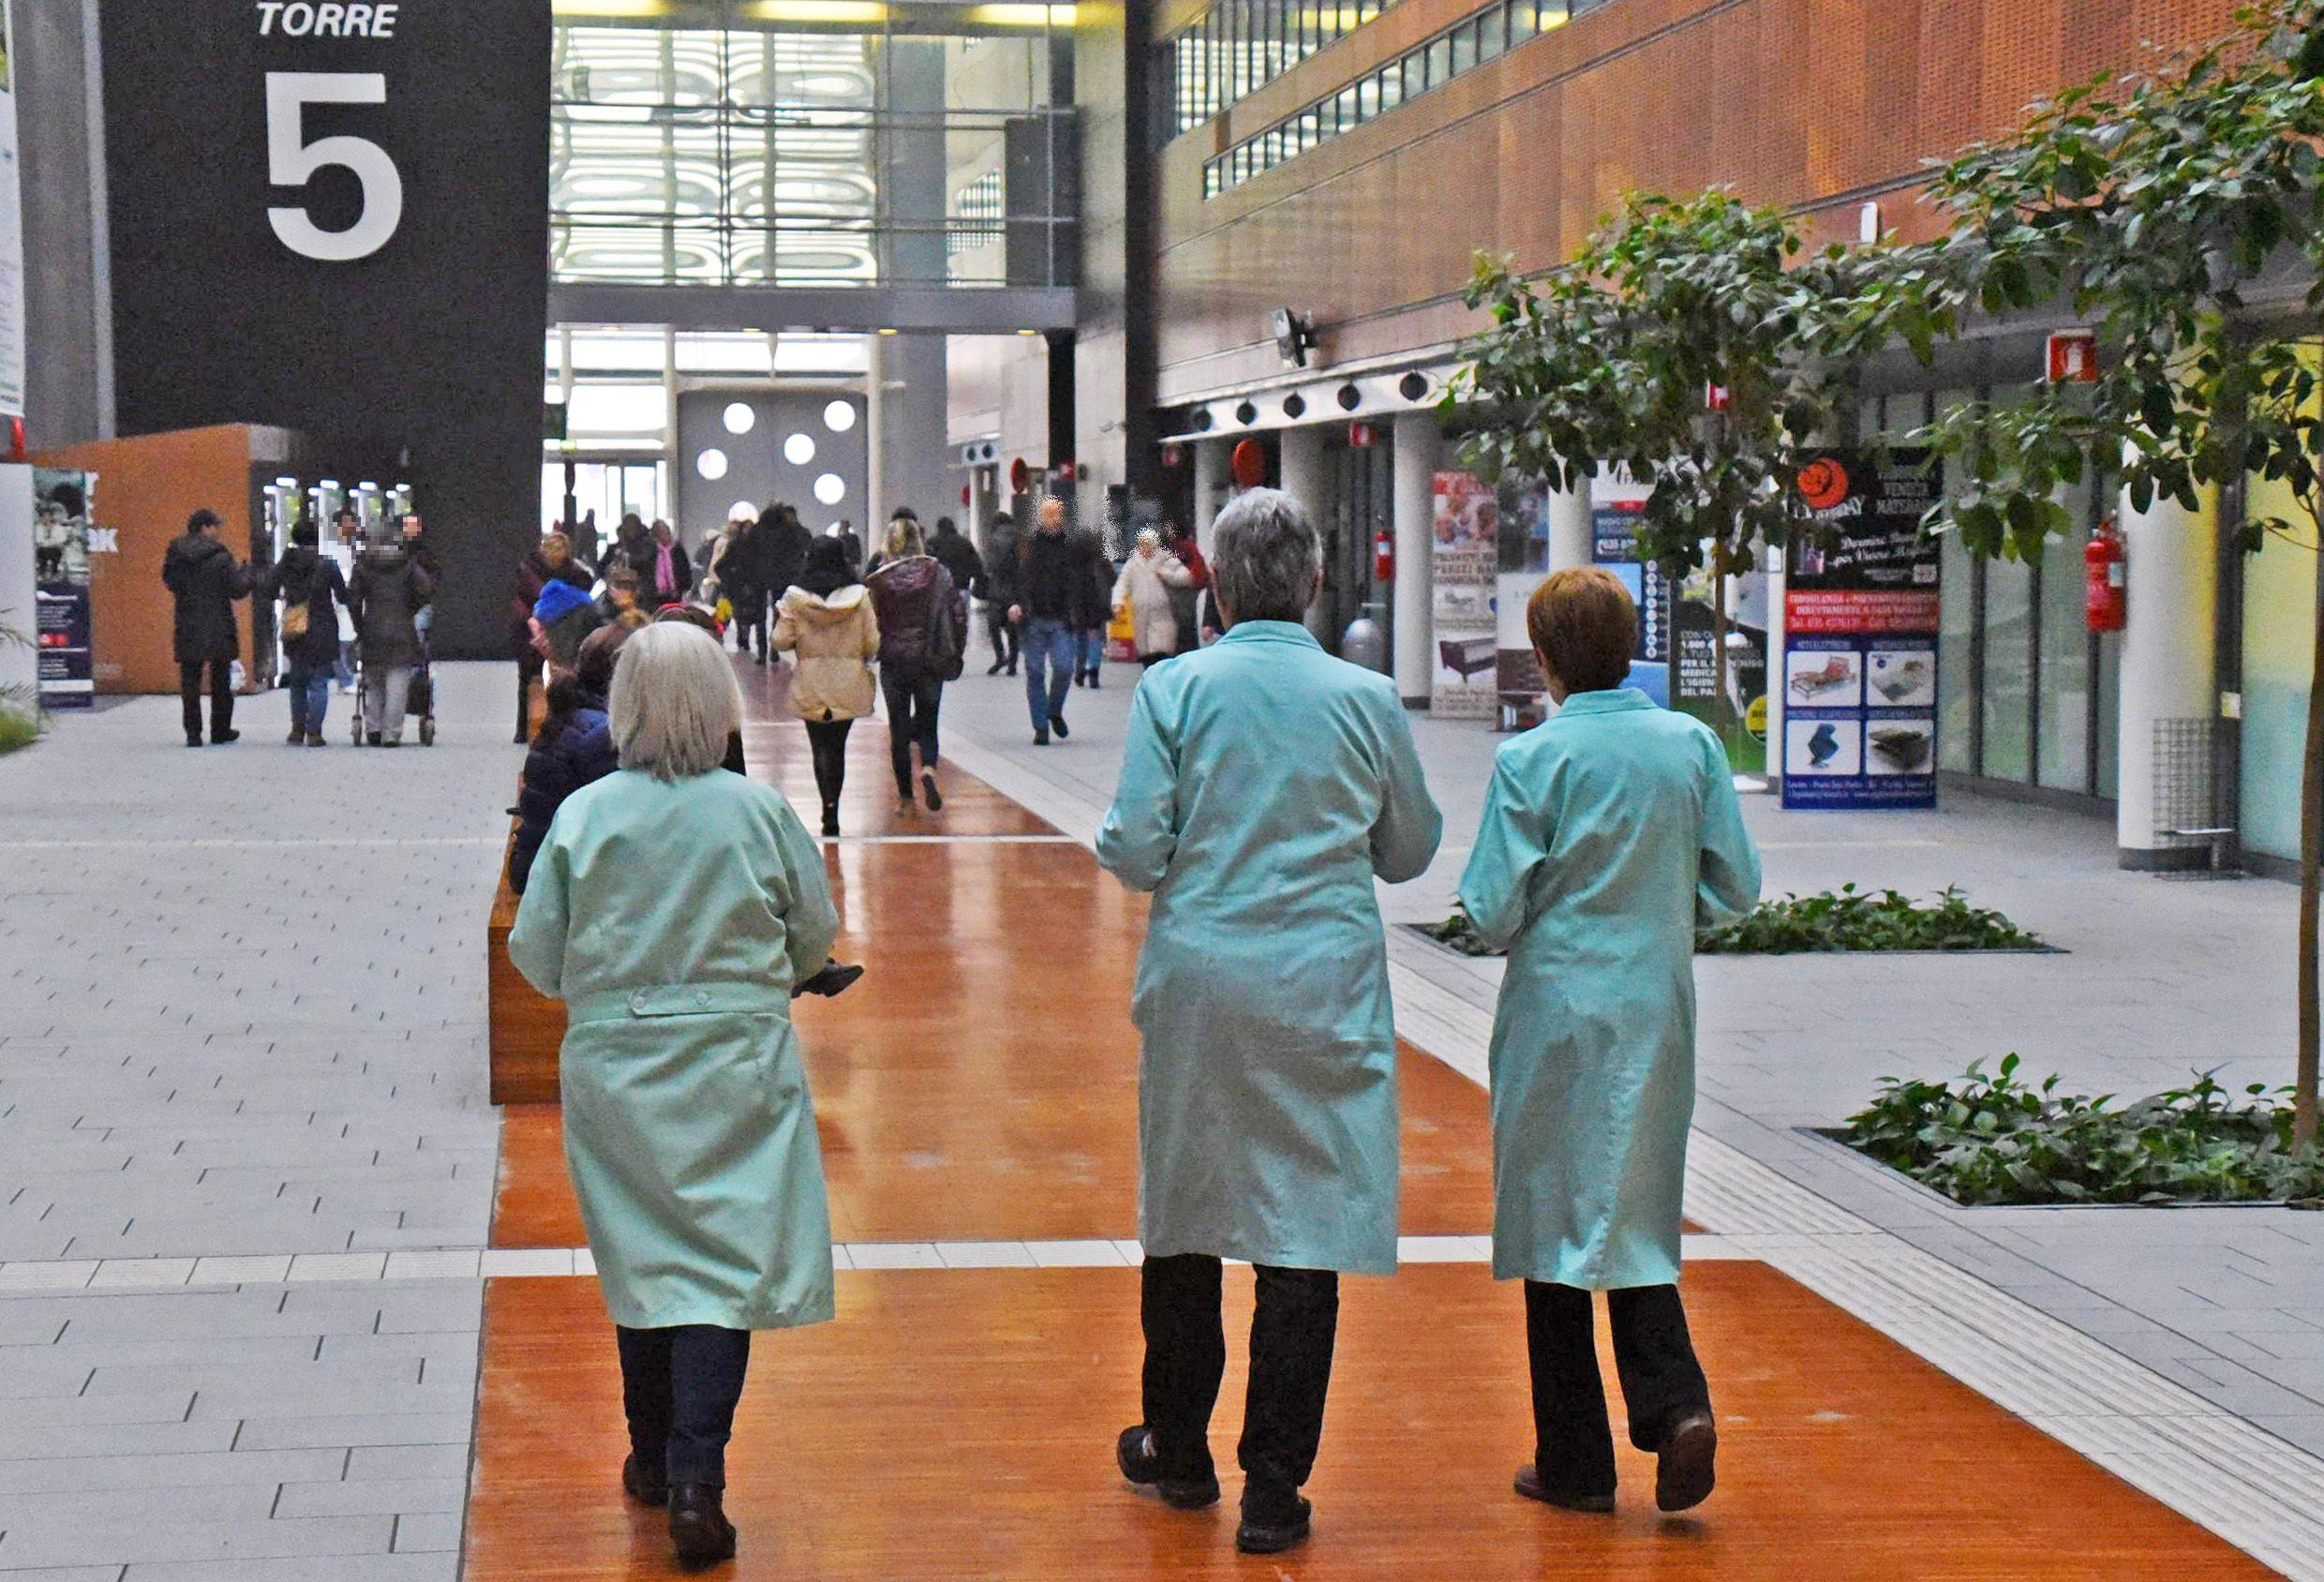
(1991, 1137)
(22, 719)
(2147, 206)
(1852, 919)
(1611, 359)
(1842, 920)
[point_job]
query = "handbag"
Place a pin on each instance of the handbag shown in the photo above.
(298, 617)
(946, 654)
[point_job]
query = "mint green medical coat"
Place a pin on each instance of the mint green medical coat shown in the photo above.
(1611, 834)
(671, 919)
(1263, 784)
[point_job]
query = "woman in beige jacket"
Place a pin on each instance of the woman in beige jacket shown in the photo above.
(826, 619)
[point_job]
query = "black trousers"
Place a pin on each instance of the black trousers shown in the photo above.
(530, 671)
(221, 697)
(827, 742)
(1293, 1333)
(750, 621)
(1654, 1356)
(679, 1388)
(1004, 634)
(911, 707)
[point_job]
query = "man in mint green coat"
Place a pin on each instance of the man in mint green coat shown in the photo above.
(672, 908)
(1610, 835)
(1264, 785)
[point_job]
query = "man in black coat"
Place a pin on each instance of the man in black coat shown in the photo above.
(958, 555)
(204, 580)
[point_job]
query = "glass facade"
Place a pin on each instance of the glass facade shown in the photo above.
(807, 142)
(1239, 46)
(2279, 620)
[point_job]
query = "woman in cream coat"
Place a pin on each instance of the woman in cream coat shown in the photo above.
(1144, 588)
(827, 620)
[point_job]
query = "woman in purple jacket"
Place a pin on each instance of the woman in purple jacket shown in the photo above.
(922, 617)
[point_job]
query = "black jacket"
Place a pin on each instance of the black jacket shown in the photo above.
(779, 554)
(1056, 579)
(202, 575)
(642, 557)
(959, 557)
(567, 755)
(390, 589)
(303, 577)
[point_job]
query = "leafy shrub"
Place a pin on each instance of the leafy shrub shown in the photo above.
(1852, 919)
(19, 728)
(1994, 1139)
(1845, 919)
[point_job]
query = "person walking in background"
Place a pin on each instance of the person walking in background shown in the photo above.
(1265, 786)
(1150, 582)
(1097, 611)
(1000, 591)
(674, 908)
(584, 538)
(665, 575)
(573, 749)
(311, 590)
(550, 560)
(827, 620)
(345, 543)
(204, 580)
(852, 541)
(1187, 601)
(389, 589)
(1611, 835)
(1055, 593)
(951, 547)
(923, 622)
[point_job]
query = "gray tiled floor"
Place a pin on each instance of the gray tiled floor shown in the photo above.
(2160, 977)
(241, 1015)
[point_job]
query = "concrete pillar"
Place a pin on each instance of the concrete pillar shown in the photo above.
(1307, 480)
(1418, 442)
(2167, 664)
(1211, 458)
(1571, 538)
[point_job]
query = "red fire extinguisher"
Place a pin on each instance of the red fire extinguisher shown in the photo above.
(1383, 556)
(2103, 605)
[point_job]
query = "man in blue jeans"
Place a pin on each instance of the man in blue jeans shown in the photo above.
(1054, 592)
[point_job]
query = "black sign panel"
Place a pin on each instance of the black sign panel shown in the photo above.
(334, 217)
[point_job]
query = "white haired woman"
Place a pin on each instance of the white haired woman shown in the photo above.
(672, 907)
(1264, 786)
(1149, 578)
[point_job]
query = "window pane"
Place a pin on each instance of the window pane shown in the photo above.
(2279, 604)
(1520, 21)
(2066, 698)
(1367, 99)
(1347, 109)
(1464, 48)
(2009, 669)
(1490, 36)
(1392, 87)
(1440, 61)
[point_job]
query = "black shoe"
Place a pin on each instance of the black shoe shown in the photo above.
(646, 1487)
(1686, 1464)
(995, 668)
(832, 980)
(928, 787)
(1273, 1521)
(1057, 723)
(1135, 1454)
(1092, 682)
(831, 822)
(372, 737)
(1012, 667)
(297, 737)
(1529, 1484)
(1040, 739)
(699, 1531)
(222, 738)
(193, 741)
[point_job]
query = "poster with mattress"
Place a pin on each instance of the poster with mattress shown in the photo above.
(1465, 542)
(1860, 620)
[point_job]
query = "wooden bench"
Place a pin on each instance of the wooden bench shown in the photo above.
(525, 1027)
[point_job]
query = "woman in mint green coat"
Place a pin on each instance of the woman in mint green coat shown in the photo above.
(1264, 785)
(672, 908)
(1610, 835)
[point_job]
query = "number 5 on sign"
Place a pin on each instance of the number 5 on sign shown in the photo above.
(293, 161)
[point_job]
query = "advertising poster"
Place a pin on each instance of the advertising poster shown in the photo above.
(1466, 549)
(1740, 716)
(1614, 504)
(60, 552)
(12, 229)
(1860, 613)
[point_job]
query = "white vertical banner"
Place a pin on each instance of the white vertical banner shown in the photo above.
(12, 230)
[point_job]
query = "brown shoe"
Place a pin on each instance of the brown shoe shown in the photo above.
(1529, 1484)
(1685, 1465)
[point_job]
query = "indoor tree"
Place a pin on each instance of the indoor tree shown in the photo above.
(2175, 211)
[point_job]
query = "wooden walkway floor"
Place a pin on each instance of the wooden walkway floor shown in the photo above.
(979, 1084)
